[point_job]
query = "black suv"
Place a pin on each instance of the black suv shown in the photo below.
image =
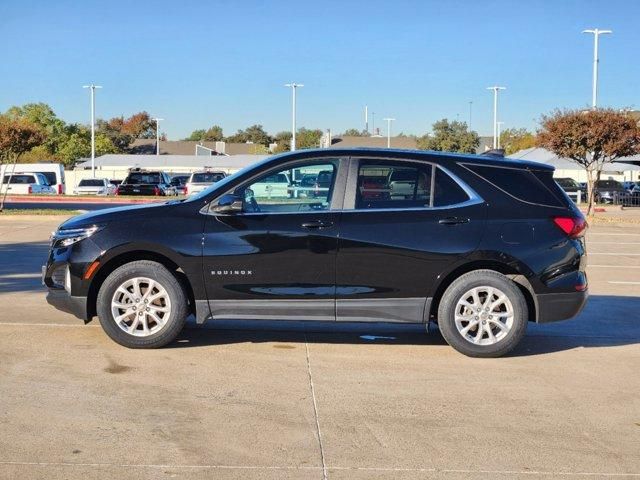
(479, 245)
(146, 182)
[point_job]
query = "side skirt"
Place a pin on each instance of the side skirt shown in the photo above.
(383, 310)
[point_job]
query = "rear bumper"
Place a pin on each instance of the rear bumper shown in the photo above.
(560, 306)
(64, 302)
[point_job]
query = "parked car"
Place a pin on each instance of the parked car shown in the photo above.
(179, 183)
(493, 245)
(610, 191)
(199, 181)
(274, 186)
(53, 172)
(572, 187)
(115, 182)
(26, 184)
(146, 182)
(95, 186)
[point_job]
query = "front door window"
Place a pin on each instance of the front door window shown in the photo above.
(301, 188)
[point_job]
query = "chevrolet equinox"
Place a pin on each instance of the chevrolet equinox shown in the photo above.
(477, 244)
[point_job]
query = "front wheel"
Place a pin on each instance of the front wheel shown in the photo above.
(142, 305)
(483, 314)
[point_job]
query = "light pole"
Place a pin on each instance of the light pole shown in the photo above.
(293, 87)
(596, 60)
(373, 123)
(93, 126)
(499, 128)
(157, 120)
(495, 113)
(366, 118)
(389, 120)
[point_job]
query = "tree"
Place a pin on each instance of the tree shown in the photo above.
(17, 136)
(78, 145)
(515, 139)
(254, 134)
(43, 116)
(139, 125)
(113, 129)
(214, 134)
(450, 137)
(354, 132)
(306, 138)
(591, 139)
(196, 135)
(283, 142)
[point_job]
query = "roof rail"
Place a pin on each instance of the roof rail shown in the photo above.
(494, 152)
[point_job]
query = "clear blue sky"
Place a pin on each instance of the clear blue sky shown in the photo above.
(225, 62)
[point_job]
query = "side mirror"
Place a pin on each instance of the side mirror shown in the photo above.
(228, 204)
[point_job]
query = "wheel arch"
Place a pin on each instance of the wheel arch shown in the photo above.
(123, 258)
(508, 270)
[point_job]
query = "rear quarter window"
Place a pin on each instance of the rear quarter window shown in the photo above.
(524, 185)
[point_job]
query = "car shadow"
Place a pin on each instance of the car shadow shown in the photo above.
(606, 321)
(20, 266)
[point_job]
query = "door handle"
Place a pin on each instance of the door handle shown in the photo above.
(453, 221)
(317, 224)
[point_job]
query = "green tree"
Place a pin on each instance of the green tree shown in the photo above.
(254, 134)
(354, 132)
(214, 134)
(591, 139)
(283, 142)
(450, 137)
(515, 139)
(43, 116)
(78, 145)
(196, 135)
(306, 138)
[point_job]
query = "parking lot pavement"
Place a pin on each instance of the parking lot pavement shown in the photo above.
(249, 401)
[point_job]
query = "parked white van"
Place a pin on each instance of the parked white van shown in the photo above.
(53, 172)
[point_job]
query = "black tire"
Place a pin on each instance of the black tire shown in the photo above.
(159, 273)
(454, 293)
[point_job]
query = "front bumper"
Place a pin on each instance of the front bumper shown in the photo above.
(67, 303)
(553, 307)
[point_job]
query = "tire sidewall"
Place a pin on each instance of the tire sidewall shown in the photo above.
(158, 273)
(479, 278)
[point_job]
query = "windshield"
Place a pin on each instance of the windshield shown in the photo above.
(91, 183)
(207, 177)
(566, 182)
(143, 178)
(609, 184)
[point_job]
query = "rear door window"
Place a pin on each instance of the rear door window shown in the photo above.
(396, 184)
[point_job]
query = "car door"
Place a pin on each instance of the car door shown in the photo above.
(276, 258)
(403, 224)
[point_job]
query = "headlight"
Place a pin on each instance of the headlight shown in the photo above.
(66, 237)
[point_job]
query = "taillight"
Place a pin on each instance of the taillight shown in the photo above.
(59, 189)
(573, 227)
(156, 191)
(117, 192)
(186, 190)
(30, 191)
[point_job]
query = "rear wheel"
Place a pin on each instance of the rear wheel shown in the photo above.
(483, 314)
(142, 305)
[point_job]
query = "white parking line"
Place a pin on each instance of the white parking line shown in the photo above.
(616, 234)
(617, 254)
(624, 283)
(525, 473)
(614, 243)
(613, 266)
